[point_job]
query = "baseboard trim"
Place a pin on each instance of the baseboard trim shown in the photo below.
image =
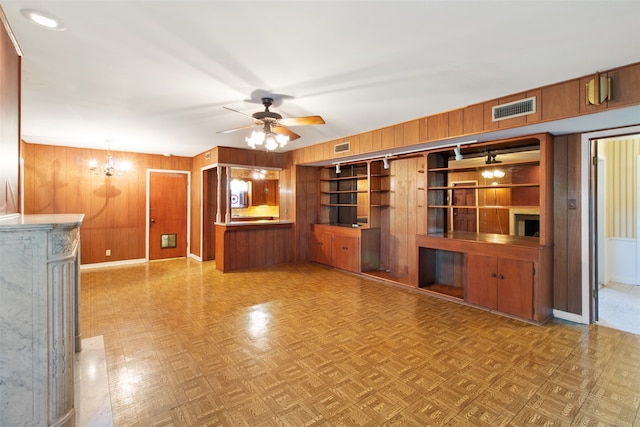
(113, 263)
(571, 317)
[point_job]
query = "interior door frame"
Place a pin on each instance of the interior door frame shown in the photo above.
(586, 220)
(148, 217)
(204, 201)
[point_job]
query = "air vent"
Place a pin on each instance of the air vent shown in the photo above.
(514, 109)
(342, 147)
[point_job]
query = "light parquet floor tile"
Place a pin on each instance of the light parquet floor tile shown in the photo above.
(304, 345)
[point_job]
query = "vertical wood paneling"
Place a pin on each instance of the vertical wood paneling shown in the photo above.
(411, 133)
(560, 250)
(58, 181)
(574, 224)
(438, 126)
(456, 122)
(473, 119)
(626, 86)
(561, 100)
(404, 218)
(388, 138)
(10, 84)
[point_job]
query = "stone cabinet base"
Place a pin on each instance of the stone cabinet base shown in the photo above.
(39, 295)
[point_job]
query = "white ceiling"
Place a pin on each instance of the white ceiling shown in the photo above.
(153, 76)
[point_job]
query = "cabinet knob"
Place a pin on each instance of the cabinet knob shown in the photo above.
(494, 275)
(501, 277)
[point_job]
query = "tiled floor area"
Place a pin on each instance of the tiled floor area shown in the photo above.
(619, 307)
(306, 345)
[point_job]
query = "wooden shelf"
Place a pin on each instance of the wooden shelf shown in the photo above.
(480, 207)
(343, 178)
(356, 196)
(483, 187)
(477, 168)
(344, 192)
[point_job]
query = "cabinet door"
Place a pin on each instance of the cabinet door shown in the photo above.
(482, 286)
(346, 253)
(320, 247)
(515, 287)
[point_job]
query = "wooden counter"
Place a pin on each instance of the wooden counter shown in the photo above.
(249, 244)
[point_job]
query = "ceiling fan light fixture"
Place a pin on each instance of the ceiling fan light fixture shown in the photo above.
(256, 138)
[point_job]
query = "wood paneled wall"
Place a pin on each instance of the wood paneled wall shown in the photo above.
(57, 180)
(567, 221)
(306, 209)
(10, 77)
(554, 102)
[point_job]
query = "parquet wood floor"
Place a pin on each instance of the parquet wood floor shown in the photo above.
(304, 345)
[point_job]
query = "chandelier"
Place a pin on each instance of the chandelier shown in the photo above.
(110, 168)
(267, 137)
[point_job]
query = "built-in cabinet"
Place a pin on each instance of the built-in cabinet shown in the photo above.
(353, 204)
(489, 221)
(347, 248)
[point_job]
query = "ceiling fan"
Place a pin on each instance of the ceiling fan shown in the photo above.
(274, 127)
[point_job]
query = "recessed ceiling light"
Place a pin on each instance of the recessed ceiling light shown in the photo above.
(43, 19)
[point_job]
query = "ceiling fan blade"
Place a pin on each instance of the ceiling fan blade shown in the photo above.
(302, 121)
(281, 130)
(240, 128)
(239, 112)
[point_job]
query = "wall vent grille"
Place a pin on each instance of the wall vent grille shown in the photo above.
(514, 109)
(342, 147)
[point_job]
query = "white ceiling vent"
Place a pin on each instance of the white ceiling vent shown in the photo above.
(514, 109)
(342, 147)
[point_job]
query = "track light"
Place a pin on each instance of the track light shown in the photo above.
(457, 152)
(385, 162)
(337, 168)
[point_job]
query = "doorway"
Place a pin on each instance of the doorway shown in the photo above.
(616, 206)
(168, 223)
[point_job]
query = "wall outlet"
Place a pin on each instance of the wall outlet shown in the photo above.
(108, 252)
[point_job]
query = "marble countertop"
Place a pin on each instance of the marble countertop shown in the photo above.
(45, 221)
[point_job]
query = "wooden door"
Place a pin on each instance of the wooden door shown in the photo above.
(346, 253)
(167, 215)
(482, 286)
(464, 219)
(515, 287)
